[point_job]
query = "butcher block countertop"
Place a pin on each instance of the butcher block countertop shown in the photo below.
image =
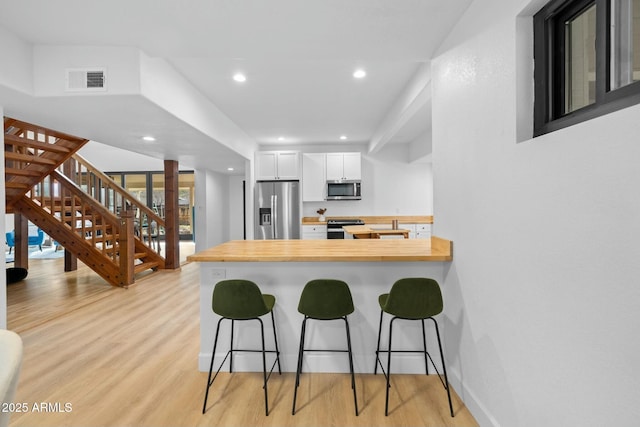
(336, 250)
(402, 219)
(367, 230)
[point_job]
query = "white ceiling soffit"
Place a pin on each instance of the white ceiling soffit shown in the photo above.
(298, 56)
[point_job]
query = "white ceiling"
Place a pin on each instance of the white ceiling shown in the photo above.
(298, 55)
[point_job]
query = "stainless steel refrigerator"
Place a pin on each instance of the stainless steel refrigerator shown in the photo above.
(277, 208)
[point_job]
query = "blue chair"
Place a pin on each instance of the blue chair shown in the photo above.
(36, 240)
(11, 240)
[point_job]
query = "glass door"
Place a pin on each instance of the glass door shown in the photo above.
(148, 188)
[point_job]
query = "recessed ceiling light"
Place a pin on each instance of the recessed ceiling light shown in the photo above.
(230, 169)
(359, 73)
(148, 138)
(239, 77)
(343, 137)
(281, 138)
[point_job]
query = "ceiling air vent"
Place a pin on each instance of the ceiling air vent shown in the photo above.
(85, 80)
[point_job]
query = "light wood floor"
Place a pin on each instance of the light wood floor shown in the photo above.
(128, 357)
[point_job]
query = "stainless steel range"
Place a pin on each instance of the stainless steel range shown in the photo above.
(334, 227)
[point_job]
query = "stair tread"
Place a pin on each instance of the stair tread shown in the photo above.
(9, 171)
(31, 143)
(9, 155)
(145, 266)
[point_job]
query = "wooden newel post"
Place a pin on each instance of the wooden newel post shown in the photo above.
(126, 243)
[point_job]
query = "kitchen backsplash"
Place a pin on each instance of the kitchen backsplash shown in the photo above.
(352, 208)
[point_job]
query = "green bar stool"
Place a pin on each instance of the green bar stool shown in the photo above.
(325, 299)
(412, 299)
(242, 300)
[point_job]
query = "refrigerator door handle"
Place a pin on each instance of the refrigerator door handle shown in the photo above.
(274, 215)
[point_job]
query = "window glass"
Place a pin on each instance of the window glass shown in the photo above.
(136, 185)
(186, 201)
(157, 202)
(580, 60)
(625, 42)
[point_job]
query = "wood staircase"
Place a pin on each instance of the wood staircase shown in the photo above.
(81, 208)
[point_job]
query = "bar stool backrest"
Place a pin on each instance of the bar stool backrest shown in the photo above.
(238, 299)
(414, 298)
(326, 299)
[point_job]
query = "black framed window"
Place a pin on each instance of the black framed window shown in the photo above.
(587, 60)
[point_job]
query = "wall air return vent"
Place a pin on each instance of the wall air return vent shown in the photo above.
(85, 80)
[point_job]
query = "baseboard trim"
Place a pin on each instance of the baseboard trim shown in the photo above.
(480, 412)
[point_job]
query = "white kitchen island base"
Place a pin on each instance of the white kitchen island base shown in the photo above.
(285, 280)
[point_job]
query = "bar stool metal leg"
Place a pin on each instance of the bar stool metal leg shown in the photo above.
(444, 368)
(231, 347)
(424, 343)
(299, 366)
(386, 401)
(353, 377)
(209, 381)
(375, 368)
(275, 339)
(264, 370)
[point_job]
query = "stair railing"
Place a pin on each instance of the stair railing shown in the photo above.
(32, 152)
(73, 217)
(148, 226)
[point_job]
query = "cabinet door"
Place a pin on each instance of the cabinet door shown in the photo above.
(335, 166)
(352, 166)
(313, 178)
(288, 165)
(412, 229)
(272, 165)
(314, 232)
(423, 231)
(266, 165)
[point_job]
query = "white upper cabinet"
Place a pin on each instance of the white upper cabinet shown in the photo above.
(343, 166)
(277, 165)
(313, 177)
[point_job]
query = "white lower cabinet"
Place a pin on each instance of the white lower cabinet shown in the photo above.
(314, 232)
(423, 231)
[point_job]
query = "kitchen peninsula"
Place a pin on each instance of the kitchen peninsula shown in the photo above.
(283, 267)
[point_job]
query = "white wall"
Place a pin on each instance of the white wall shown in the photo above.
(396, 185)
(212, 209)
(17, 73)
(112, 159)
(541, 309)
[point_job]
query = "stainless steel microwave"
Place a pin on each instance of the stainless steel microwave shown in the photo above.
(344, 190)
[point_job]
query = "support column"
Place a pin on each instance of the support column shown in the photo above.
(127, 248)
(70, 260)
(171, 215)
(21, 255)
